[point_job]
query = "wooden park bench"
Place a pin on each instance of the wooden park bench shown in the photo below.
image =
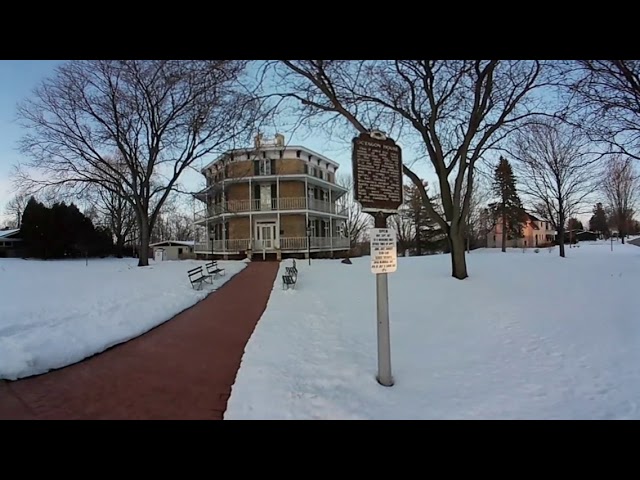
(292, 271)
(214, 270)
(197, 277)
(290, 279)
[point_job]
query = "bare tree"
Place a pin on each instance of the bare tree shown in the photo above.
(174, 221)
(452, 111)
(118, 215)
(15, 208)
(556, 171)
(357, 222)
(403, 224)
(605, 101)
(621, 187)
(475, 220)
(156, 116)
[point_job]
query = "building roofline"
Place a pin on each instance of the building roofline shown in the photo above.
(268, 148)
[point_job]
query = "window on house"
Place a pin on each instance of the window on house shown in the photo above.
(298, 153)
(265, 167)
(248, 156)
(179, 251)
(494, 238)
(281, 153)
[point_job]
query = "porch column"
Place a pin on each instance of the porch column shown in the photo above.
(224, 230)
(331, 209)
(331, 233)
(307, 239)
(250, 215)
(306, 194)
(277, 208)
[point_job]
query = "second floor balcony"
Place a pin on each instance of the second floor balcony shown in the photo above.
(283, 204)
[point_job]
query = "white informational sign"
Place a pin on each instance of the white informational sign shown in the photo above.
(383, 250)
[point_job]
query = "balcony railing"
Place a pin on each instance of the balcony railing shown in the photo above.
(285, 243)
(269, 205)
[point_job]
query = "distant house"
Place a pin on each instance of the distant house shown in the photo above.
(173, 249)
(576, 235)
(11, 244)
(536, 232)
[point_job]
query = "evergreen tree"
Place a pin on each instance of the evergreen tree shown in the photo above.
(428, 237)
(598, 222)
(33, 229)
(62, 231)
(574, 224)
(508, 208)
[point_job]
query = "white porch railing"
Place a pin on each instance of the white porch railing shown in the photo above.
(285, 243)
(233, 245)
(273, 204)
(317, 243)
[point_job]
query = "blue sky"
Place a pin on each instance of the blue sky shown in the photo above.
(17, 79)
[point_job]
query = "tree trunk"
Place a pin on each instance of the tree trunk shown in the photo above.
(143, 252)
(418, 243)
(504, 232)
(119, 246)
(458, 259)
(561, 240)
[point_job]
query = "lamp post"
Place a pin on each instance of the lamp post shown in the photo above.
(211, 239)
(309, 241)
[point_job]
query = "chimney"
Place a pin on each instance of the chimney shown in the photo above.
(279, 140)
(258, 140)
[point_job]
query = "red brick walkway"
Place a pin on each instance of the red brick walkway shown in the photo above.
(183, 369)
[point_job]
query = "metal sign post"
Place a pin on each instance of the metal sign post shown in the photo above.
(377, 174)
(383, 261)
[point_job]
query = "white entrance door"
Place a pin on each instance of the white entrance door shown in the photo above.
(265, 197)
(266, 236)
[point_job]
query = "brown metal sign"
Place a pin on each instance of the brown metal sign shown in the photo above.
(377, 173)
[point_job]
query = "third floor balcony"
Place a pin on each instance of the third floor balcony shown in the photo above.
(282, 204)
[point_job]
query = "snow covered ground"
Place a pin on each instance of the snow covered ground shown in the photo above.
(55, 313)
(527, 336)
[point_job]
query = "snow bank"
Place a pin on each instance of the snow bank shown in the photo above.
(55, 313)
(528, 335)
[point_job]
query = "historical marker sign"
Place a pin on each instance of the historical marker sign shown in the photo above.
(377, 177)
(377, 173)
(384, 256)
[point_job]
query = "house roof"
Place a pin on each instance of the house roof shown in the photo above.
(271, 148)
(169, 243)
(9, 233)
